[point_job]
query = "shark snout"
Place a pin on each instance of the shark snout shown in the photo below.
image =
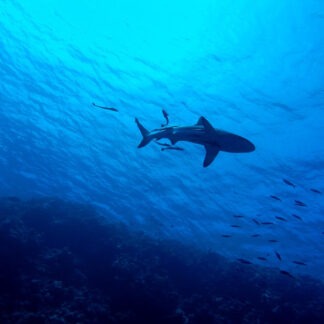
(250, 147)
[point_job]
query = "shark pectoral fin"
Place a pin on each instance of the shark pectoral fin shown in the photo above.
(211, 153)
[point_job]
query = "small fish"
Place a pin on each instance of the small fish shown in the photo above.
(299, 263)
(238, 216)
(175, 148)
(281, 218)
(255, 235)
(296, 216)
(226, 235)
(278, 256)
(163, 144)
(316, 190)
(262, 258)
(166, 116)
(275, 197)
(107, 108)
(256, 221)
(244, 261)
(289, 183)
(267, 223)
(300, 203)
(273, 241)
(236, 226)
(286, 273)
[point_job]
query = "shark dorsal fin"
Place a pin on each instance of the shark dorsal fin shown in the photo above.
(200, 121)
(207, 125)
(211, 153)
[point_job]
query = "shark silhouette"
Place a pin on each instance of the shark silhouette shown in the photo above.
(203, 133)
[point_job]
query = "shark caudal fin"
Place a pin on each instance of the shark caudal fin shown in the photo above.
(144, 133)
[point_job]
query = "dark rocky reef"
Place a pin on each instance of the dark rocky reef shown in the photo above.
(63, 263)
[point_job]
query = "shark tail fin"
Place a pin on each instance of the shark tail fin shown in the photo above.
(144, 133)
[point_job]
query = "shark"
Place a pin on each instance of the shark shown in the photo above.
(214, 140)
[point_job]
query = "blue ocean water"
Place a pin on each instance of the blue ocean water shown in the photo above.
(251, 68)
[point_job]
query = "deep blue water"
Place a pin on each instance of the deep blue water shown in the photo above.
(251, 68)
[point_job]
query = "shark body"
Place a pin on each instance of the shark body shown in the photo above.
(203, 133)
